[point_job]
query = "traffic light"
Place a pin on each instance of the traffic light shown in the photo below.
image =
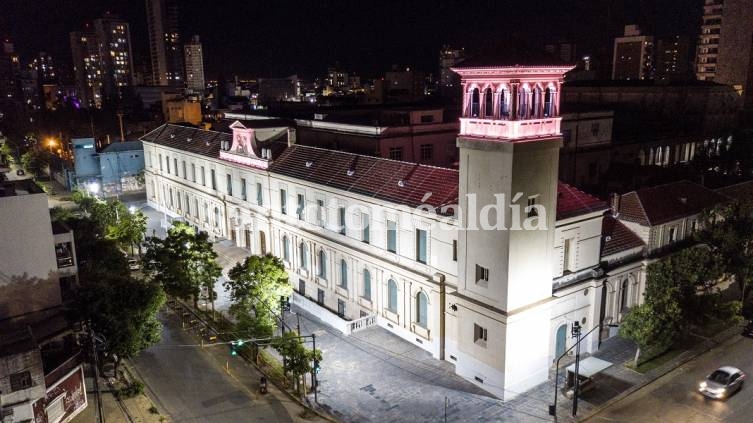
(284, 303)
(234, 346)
(316, 368)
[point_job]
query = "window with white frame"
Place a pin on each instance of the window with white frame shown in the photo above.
(479, 334)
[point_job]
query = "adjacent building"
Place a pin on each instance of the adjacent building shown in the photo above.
(194, 56)
(673, 61)
(165, 48)
(725, 44)
(9, 70)
(449, 82)
(633, 55)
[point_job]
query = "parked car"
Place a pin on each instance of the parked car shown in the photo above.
(748, 330)
(133, 264)
(722, 383)
(20, 172)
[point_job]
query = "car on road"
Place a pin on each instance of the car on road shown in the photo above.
(20, 172)
(133, 264)
(722, 383)
(748, 330)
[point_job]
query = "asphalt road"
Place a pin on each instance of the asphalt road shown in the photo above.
(674, 397)
(191, 385)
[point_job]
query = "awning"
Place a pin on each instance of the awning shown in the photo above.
(589, 366)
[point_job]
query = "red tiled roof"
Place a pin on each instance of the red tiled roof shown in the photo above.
(663, 203)
(742, 191)
(192, 140)
(617, 237)
(388, 180)
(573, 202)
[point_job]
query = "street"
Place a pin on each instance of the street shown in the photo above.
(674, 397)
(191, 384)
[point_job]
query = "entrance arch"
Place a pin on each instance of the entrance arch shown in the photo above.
(561, 341)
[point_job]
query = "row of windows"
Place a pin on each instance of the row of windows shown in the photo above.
(421, 316)
(426, 153)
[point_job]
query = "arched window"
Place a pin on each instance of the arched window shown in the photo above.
(285, 248)
(548, 103)
(303, 251)
(343, 274)
(475, 103)
(536, 95)
(322, 264)
(366, 284)
(216, 217)
(488, 104)
(422, 305)
(523, 102)
(392, 296)
(504, 103)
(624, 295)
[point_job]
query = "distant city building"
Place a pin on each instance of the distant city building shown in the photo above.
(633, 55)
(178, 109)
(404, 85)
(194, 65)
(102, 59)
(565, 50)
(672, 58)
(120, 164)
(165, 49)
(9, 70)
(449, 81)
(279, 89)
(725, 44)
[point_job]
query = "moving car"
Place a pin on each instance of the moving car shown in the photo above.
(722, 383)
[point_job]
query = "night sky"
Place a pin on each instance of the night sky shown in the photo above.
(280, 37)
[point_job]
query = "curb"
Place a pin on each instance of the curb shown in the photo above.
(716, 342)
(292, 397)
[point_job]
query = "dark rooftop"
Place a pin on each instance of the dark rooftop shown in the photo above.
(617, 237)
(573, 202)
(511, 51)
(741, 192)
(123, 146)
(664, 203)
(19, 187)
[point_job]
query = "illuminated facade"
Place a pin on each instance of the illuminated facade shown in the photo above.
(633, 55)
(194, 65)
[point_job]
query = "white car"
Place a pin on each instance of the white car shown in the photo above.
(722, 383)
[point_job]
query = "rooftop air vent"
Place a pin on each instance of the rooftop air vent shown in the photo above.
(351, 172)
(684, 200)
(309, 163)
(607, 238)
(189, 139)
(401, 183)
(172, 135)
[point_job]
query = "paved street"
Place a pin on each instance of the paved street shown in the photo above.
(191, 385)
(673, 398)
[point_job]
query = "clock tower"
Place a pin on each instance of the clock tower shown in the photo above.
(509, 148)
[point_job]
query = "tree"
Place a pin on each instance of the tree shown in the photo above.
(129, 229)
(298, 357)
(255, 286)
(122, 309)
(727, 230)
(184, 262)
(33, 161)
(647, 329)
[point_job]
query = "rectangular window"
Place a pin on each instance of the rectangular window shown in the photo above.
(530, 209)
(454, 250)
(213, 179)
(167, 162)
(366, 232)
(300, 206)
(671, 234)
(193, 172)
(427, 152)
(427, 118)
(243, 189)
(203, 177)
(479, 334)
(20, 381)
(302, 287)
(566, 256)
(341, 219)
(396, 153)
(160, 162)
(391, 236)
(421, 246)
(185, 175)
(340, 308)
(320, 296)
(321, 213)
(259, 194)
(482, 274)
(283, 201)
(229, 185)
(595, 129)
(175, 162)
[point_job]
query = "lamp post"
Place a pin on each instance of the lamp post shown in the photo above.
(576, 329)
(553, 407)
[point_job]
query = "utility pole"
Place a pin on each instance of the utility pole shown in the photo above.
(95, 364)
(576, 334)
(120, 119)
(314, 382)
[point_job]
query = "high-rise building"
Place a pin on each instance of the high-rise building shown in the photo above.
(44, 67)
(9, 70)
(165, 50)
(633, 55)
(449, 81)
(194, 65)
(672, 58)
(725, 44)
(102, 59)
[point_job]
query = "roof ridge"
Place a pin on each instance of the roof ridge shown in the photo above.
(376, 158)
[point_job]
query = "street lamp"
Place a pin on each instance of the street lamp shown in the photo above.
(93, 188)
(51, 143)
